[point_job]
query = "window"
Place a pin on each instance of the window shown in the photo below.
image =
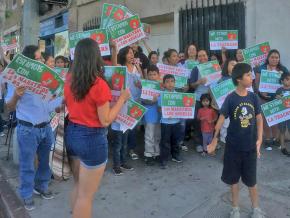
(58, 22)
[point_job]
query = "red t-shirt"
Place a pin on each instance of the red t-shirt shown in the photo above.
(210, 115)
(84, 112)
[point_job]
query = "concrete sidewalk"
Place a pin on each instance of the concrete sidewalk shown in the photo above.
(192, 189)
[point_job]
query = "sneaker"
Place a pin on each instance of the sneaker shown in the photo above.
(133, 155)
(149, 161)
(285, 152)
(257, 213)
(184, 148)
(163, 165)
(235, 213)
(269, 148)
(29, 204)
(126, 167)
(47, 195)
(117, 171)
(2, 134)
(176, 159)
(199, 149)
(203, 154)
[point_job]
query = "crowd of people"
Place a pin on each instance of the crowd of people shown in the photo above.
(87, 98)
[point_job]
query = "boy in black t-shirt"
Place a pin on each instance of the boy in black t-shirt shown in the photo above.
(244, 139)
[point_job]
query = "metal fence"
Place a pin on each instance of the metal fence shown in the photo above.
(201, 16)
(94, 23)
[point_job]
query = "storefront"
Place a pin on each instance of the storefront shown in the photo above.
(54, 31)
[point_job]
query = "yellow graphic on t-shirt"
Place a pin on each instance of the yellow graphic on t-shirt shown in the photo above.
(245, 117)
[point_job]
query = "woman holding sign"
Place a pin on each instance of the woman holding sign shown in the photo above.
(272, 64)
(87, 97)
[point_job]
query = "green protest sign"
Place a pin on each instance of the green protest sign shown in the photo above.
(180, 74)
(9, 43)
(127, 31)
(269, 81)
(112, 14)
(130, 114)
(257, 54)
(277, 111)
(99, 35)
(190, 64)
(150, 89)
(62, 72)
(177, 105)
(223, 38)
(211, 71)
(221, 90)
(35, 76)
(116, 78)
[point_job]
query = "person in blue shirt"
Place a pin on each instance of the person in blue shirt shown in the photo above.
(169, 129)
(34, 135)
(152, 121)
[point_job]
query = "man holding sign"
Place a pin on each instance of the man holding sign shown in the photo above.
(34, 133)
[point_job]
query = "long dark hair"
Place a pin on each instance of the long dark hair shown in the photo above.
(279, 66)
(122, 55)
(29, 51)
(87, 66)
(169, 52)
(186, 50)
(225, 71)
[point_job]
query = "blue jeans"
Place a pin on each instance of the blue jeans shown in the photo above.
(181, 135)
(132, 142)
(33, 141)
(120, 141)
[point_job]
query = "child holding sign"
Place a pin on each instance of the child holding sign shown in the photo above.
(207, 117)
(246, 122)
(152, 121)
(169, 129)
(282, 92)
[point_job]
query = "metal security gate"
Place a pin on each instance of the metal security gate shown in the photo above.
(94, 23)
(196, 19)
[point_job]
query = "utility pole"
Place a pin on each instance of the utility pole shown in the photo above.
(30, 23)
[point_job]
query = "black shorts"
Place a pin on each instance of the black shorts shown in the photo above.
(240, 164)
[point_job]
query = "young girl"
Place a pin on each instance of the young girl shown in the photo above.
(282, 92)
(87, 98)
(134, 75)
(60, 61)
(153, 58)
(207, 116)
(48, 60)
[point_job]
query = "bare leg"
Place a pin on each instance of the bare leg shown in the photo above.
(235, 195)
(254, 196)
(75, 167)
(89, 180)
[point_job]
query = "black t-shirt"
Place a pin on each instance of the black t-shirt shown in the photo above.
(242, 111)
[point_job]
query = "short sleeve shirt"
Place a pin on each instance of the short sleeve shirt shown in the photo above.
(84, 112)
(242, 111)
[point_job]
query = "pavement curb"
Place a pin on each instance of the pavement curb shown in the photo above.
(10, 205)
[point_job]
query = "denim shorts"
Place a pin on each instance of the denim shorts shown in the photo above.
(88, 144)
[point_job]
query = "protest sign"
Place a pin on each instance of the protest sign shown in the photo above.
(99, 35)
(61, 44)
(190, 64)
(180, 74)
(62, 72)
(223, 38)
(221, 90)
(130, 114)
(127, 32)
(269, 81)
(177, 105)
(35, 76)
(112, 14)
(9, 43)
(150, 89)
(116, 78)
(211, 71)
(277, 111)
(257, 54)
